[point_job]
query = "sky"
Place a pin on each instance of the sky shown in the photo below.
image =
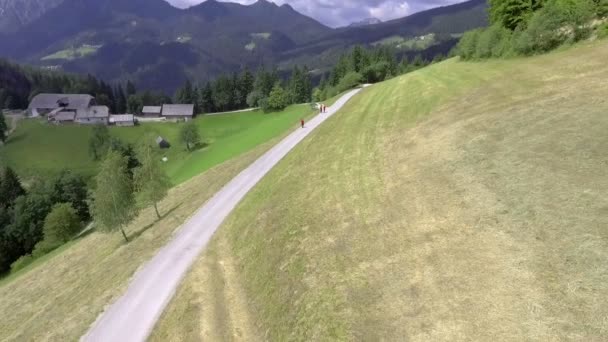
(337, 13)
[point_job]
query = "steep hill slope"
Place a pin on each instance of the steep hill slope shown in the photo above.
(464, 201)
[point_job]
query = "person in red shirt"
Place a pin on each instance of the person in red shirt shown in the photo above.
(302, 123)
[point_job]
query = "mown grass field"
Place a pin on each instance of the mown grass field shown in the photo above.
(59, 296)
(464, 201)
(37, 147)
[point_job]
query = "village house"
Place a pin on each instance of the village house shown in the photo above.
(69, 108)
(122, 120)
(151, 111)
(94, 115)
(178, 112)
(44, 104)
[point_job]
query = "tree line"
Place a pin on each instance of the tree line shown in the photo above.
(528, 27)
(54, 209)
(265, 89)
(366, 65)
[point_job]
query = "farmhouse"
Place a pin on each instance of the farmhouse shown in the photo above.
(43, 104)
(122, 120)
(94, 115)
(151, 111)
(178, 111)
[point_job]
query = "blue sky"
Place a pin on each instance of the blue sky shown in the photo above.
(343, 12)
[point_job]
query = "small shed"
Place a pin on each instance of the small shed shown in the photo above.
(151, 111)
(122, 120)
(162, 143)
(178, 111)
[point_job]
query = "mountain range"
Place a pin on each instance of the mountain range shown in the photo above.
(366, 22)
(160, 46)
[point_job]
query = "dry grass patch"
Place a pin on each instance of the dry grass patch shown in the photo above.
(465, 201)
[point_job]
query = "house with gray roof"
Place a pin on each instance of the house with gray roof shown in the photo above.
(151, 111)
(178, 111)
(93, 115)
(122, 120)
(43, 104)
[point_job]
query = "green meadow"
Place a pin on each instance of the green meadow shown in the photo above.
(39, 148)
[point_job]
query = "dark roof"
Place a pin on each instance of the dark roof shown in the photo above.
(152, 109)
(178, 110)
(94, 112)
(67, 101)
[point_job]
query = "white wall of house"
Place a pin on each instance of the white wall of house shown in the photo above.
(92, 121)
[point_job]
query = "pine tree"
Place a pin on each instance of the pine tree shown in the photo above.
(130, 89)
(121, 100)
(10, 188)
(3, 127)
(246, 85)
(113, 204)
(206, 99)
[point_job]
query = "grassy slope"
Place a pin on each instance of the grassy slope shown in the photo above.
(38, 147)
(465, 201)
(58, 298)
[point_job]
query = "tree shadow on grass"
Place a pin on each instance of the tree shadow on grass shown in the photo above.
(140, 232)
(13, 138)
(198, 147)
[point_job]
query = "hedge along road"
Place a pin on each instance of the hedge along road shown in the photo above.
(133, 316)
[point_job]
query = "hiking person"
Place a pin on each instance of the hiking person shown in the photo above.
(302, 123)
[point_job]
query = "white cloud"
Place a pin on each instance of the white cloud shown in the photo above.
(343, 12)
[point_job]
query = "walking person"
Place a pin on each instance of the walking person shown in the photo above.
(302, 123)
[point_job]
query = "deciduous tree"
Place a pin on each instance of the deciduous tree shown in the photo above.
(61, 224)
(113, 204)
(189, 135)
(151, 181)
(99, 142)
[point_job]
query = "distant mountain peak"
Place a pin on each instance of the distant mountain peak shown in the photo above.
(264, 3)
(366, 22)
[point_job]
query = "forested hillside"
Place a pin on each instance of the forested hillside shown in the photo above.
(160, 47)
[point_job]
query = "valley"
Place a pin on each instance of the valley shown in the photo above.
(159, 47)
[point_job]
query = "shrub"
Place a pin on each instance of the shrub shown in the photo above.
(602, 31)
(61, 224)
(21, 263)
(601, 8)
(467, 47)
(489, 42)
(253, 99)
(277, 100)
(317, 95)
(376, 72)
(349, 81)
